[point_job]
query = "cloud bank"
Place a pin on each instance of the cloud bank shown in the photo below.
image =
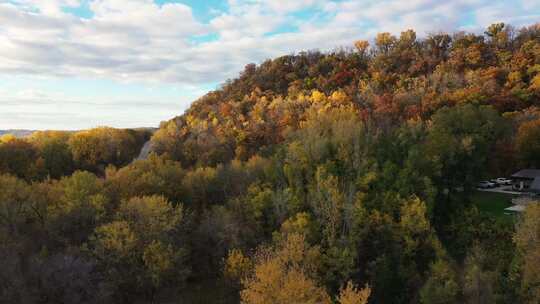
(150, 42)
(140, 40)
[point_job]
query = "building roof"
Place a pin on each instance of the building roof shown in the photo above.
(527, 173)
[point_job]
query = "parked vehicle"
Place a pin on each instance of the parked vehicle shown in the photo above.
(486, 185)
(503, 181)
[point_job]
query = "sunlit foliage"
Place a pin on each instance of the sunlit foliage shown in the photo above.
(340, 177)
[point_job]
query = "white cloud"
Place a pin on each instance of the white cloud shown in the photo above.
(49, 7)
(138, 40)
(284, 6)
(45, 109)
(125, 40)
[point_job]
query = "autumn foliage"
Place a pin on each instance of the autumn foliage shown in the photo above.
(341, 177)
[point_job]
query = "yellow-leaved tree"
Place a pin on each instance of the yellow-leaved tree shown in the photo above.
(350, 294)
(287, 273)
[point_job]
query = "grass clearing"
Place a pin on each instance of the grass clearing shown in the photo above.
(493, 203)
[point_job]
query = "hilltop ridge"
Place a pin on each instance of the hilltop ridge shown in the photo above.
(392, 80)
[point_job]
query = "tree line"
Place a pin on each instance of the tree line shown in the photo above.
(54, 154)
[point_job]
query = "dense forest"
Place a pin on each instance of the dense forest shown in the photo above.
(338, 177)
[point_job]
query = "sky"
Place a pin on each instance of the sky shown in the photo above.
(77, 64)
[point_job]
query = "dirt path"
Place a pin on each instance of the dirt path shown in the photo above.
(145, 151)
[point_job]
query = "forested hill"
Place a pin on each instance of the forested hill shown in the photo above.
(394, 80)
(37, 155)
(344, 177)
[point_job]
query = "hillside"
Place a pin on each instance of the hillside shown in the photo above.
(394, 80)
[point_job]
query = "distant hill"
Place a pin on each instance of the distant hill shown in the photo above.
(392, 81)
(24, 133)
(17, 133)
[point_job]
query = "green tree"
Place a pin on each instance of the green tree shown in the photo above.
(478, 283)
(75, 206)
(527, 239)
(441, 286)
(528, 143)
(141, 247)
(54, 150)
(18, 157)
(15, 207)
(156, 175)
(458, 143)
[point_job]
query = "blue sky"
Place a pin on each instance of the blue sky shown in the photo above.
(75, 64)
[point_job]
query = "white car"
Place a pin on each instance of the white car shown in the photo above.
(503, 181)
(486, 184)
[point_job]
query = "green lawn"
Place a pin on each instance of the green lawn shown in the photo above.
(493, 203)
